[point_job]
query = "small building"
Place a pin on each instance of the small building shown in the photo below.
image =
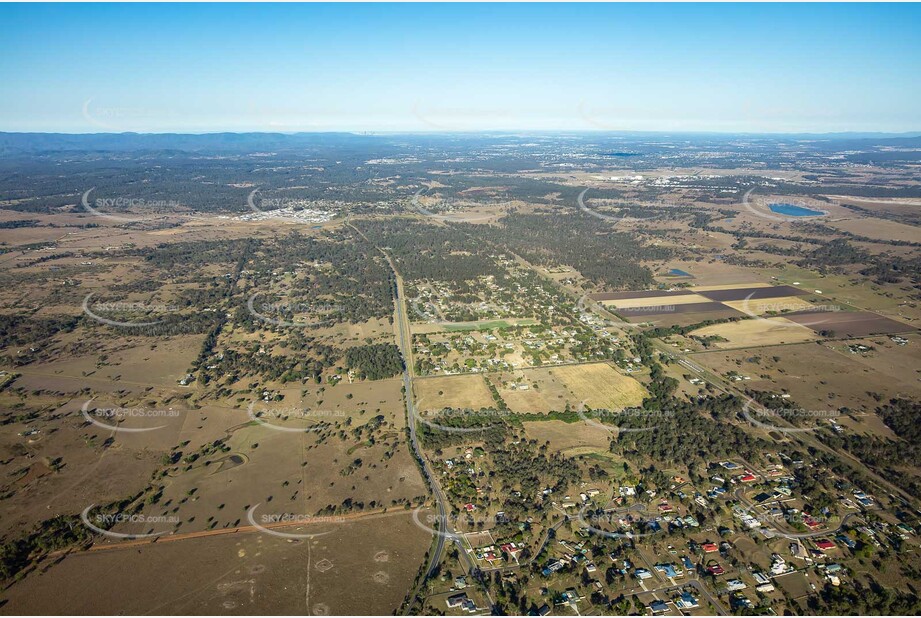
(687, 601)
(658, 607)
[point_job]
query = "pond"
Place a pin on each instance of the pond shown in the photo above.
(793, 210)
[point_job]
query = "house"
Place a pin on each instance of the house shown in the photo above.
(735, 584)
(748, 477)
(642, 574)
(778, 566)
(512, 549)
(687, 563)
(669, 570)
(552, 567)
(824, 544)
(851, 543)
(571, 596)
(686, 601)
(709, 548)
(715, 569)
(739, 600)
(461, 600)
(658, 607)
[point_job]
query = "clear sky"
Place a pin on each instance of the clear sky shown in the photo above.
(413, 67)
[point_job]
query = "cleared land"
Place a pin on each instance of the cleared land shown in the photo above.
(816, 377)
(600, 386)
(569, 438)
(533, 390)
(463, 391)
(756, 293)
(753, 333)
(661, 301)
(850, 324)
(238, 574)
(780, 304)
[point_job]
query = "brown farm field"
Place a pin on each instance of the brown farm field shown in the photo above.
(569, 439)
(241, 573)
(816, 376)
(755, 333)
(601, 386)
(850, 323)
(461, 391)
(545, 391)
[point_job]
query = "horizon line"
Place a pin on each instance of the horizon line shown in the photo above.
(911, 133)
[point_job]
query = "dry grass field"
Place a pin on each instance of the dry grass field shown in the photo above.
(707, 274)
(238, 574)
(601, 386)
(769, 305)
(569, 439)
(461, 391)
(545, 391)
(754, 333)
(657, 301)
(877, 228)
(816, 376)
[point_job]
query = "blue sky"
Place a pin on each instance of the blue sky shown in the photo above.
(412, 67)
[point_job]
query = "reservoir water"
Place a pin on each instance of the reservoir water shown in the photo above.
(793, 210)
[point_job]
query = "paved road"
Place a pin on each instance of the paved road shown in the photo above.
(404, 339)
(722, 385)
(701, 589)
(738, 493)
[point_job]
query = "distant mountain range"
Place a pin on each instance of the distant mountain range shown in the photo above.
(35, 143)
